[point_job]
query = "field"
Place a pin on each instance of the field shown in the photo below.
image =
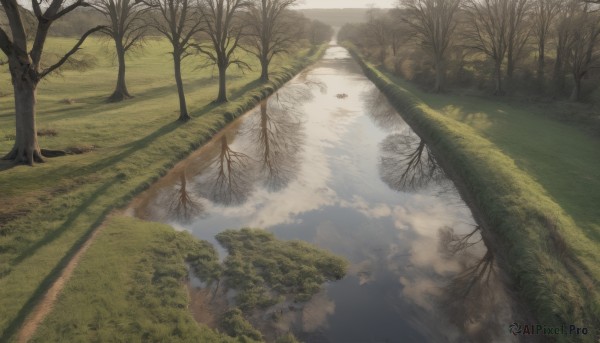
(533, 184)
(48, 211)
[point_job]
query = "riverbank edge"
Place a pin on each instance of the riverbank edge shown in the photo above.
(525, 228)
(96, 212)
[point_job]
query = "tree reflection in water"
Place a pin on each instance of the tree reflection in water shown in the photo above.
(229, 178)
(184, 206)
(473, 298)
(276, 134)
(407, 164)
(381, 112)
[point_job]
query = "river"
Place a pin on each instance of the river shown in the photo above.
(327, 160)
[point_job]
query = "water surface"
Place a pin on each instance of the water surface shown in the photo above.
(328, 160)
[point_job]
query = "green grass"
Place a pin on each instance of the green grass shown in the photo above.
(127, 288)
(564, 160)
(520, 172)
(47, 211)
(128, 285)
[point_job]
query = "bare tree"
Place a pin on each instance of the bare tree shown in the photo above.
(271, 31)
(183, 205)
(229, 177)
(544, 13)
(487, 31)
(433, 22)
(564, 25)
(382, 113)
(26, 67)
(225, 30)
(127, 28)
(318, 32)
(396, 30)
(377, 31)
(518, 32)
(179, 22)
(276, 134)
(584, 49)
(407, 164)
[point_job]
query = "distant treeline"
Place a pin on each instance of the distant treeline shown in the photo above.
(548, 48)
(337, 17)
(81, 19)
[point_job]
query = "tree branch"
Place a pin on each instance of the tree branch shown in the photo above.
(70, 53)
(5, 43)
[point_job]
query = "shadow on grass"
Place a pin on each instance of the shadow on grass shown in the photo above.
(90, 105)
(45, 284)
(131, 148)
(6, 165)
(86, 107)
(237, 92)
(52, 235)
(172, 88)
(204, 109)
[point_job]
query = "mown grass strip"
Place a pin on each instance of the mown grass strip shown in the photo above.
(553, 265)
(36, 246)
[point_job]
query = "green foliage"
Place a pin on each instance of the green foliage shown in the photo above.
(234, 324)
(552, 262)
(264, 270)
(287, 338)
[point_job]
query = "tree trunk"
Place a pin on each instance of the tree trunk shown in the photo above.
(440, 72)
(576, 93)
(264, 75)
(264, 126)
(559, 73)
(541, 65)
(382, 55)
(222, 97)
(26, 149)
(183, 113)
(510, 64)
(498, 72)
(121, 93)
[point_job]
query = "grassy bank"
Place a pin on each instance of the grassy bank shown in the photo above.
(130, 283)
(49, 210)
(132, 278)
(552, 258)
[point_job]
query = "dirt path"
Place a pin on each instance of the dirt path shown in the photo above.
(43, 308)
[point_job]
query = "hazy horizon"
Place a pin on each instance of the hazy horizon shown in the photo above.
(326, 4)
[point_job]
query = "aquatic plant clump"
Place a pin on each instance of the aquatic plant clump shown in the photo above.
(234, 324)
(265, 270)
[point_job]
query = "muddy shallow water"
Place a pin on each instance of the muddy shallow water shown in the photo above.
(328, 160)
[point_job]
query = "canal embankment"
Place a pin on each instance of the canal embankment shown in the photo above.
(552, 261)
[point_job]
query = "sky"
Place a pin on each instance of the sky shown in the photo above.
(345, 3)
